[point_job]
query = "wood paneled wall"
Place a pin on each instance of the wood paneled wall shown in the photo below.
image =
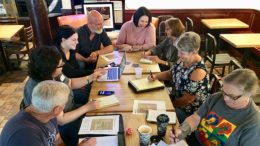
(249, 16)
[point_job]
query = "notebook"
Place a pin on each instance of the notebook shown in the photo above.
(143, 85)
(107, 101)
(152, 115)
(114, 73)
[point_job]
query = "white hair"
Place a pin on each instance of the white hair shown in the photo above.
(49, 94)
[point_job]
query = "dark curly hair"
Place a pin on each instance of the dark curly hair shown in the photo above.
(64, 31)
(142, 11)
(43, 63)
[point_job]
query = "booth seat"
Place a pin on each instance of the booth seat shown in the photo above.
(73, 20)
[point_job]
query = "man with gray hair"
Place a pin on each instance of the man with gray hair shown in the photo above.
(36, 125)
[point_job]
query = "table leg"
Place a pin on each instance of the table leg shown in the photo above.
(245, 55)
(4, 56)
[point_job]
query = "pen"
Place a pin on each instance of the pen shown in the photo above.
(173, 132)
(151, 74)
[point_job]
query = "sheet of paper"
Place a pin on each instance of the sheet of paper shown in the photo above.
(100, 125)
(110, 56)
(142, 106)
(104, 140)
(107, 101)
(152, 115)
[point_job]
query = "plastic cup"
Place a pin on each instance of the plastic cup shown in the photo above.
(138, 72)
(144, 134)
(162, 123)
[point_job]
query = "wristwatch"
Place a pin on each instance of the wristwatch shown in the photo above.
(166, 63)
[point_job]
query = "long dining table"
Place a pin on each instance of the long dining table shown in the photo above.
(127, 96)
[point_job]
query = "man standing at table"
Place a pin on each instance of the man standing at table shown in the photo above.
(91, 36)
(36, 125)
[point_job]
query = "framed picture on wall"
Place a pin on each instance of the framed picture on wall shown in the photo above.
(105, 9)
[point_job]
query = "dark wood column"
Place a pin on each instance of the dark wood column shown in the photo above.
(39, 18)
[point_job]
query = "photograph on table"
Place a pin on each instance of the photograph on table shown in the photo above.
(105, 9)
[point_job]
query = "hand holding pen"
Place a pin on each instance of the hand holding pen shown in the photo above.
(174, 134)
(151, 77)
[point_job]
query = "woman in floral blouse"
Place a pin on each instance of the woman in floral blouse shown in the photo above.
(190, 77)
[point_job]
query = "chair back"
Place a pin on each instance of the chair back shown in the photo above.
(73, 20)
(210, 48)
(160, 31)
(215, 83)
(28, 32)
(189, 24)
(8, 20)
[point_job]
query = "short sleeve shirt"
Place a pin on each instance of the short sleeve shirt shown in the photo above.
(223, 126)
(182, 83)
(25, 130)
(86, 46)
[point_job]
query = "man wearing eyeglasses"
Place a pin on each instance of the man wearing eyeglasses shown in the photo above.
(229, 117)
(91, 36)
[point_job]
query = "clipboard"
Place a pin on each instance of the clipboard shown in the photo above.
(120, 134)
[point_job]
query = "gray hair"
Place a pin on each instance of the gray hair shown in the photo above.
(188, 42)
(48, 94)
(245, 79)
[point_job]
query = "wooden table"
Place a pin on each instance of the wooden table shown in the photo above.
(126, 96)
(6, 33)
(134, 121)
(133, 58)
(227, 23)
(245, 41)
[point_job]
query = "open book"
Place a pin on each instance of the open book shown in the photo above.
(107, 101)
(142, 85)
(152, 115)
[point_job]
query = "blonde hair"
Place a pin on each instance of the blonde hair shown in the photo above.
(245, 79)
(48, 94)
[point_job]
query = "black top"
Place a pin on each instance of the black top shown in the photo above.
(71, 67)
(87, 46)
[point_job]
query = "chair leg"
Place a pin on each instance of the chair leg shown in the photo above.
(211, 70)
(223, 71)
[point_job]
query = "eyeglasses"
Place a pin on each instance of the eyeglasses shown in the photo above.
(62, 64)
(229, 95)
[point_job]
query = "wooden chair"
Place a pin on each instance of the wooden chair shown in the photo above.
(23, 48)
(215, 83)
(160, 31)
(233, 65)
(8, 20)
(216, 60)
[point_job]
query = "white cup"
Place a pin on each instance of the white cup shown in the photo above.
(138, 72)
(144, 134)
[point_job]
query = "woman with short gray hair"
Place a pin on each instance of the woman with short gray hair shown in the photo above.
(229, 117)
(190, 77)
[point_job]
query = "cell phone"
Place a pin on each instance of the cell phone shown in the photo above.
(105, 92)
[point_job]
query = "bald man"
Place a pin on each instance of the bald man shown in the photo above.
(90, 37)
